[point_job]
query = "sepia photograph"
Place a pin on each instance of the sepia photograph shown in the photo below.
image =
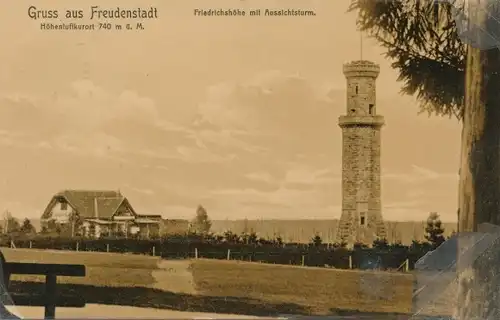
(250, 159)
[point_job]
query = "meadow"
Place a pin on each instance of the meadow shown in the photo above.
(220, 286)
(103, 269)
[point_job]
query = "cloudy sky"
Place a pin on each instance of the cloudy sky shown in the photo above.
(238, 114)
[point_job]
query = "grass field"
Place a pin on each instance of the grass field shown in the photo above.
(314, 290)
(103, 269)
(223, 286)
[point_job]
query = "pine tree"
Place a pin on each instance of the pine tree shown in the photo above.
(316, 240)
(27, 227)
(201, 223)
(434, 230)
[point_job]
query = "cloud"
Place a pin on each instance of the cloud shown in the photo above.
(44, 145)
(278, 135)
(96, 144)
(402, 210)
(90, 120)
(7, 138)
(185, 154)
(415, 193)
(329, 92)
(297, 179)
(179, 212)
(280, 196)
(419, 174)
(227, 139)
(402, 204)
(260, 176)
(271, 105)
(88, 106)
(303, 174)
(271, 119)
(281, 203)
(143, 191)
(414, 214)
(297, 173)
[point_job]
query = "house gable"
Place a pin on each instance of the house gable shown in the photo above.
(47, 213)
(124, 211)
(59, 209)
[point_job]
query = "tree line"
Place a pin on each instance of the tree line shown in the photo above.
(200, 226)
(230, 246)
(199, 242)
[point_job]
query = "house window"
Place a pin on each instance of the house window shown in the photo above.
(362, 219)
(370, 108)
(64, 206)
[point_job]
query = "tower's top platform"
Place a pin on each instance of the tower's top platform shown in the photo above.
(372, 121)
(361, 68)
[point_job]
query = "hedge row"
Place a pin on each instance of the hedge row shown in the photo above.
(295, 254)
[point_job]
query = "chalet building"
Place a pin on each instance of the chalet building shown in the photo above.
(101, 213)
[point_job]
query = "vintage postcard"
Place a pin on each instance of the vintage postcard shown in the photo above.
(225, 159)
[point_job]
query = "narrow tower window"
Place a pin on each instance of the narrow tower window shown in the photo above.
(370, 108)
(362, 219)
(356, 89)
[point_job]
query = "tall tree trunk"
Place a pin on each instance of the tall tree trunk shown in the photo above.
(479, 187)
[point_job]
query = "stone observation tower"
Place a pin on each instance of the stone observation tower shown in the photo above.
(361, 218)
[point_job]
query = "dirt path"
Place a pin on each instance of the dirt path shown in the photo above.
(174, 276)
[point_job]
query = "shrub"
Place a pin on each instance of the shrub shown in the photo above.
(213, 247)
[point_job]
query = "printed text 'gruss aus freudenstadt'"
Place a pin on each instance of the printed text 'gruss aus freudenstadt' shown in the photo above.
(94, 13)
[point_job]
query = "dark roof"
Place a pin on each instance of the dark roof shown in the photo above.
(85, 202)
